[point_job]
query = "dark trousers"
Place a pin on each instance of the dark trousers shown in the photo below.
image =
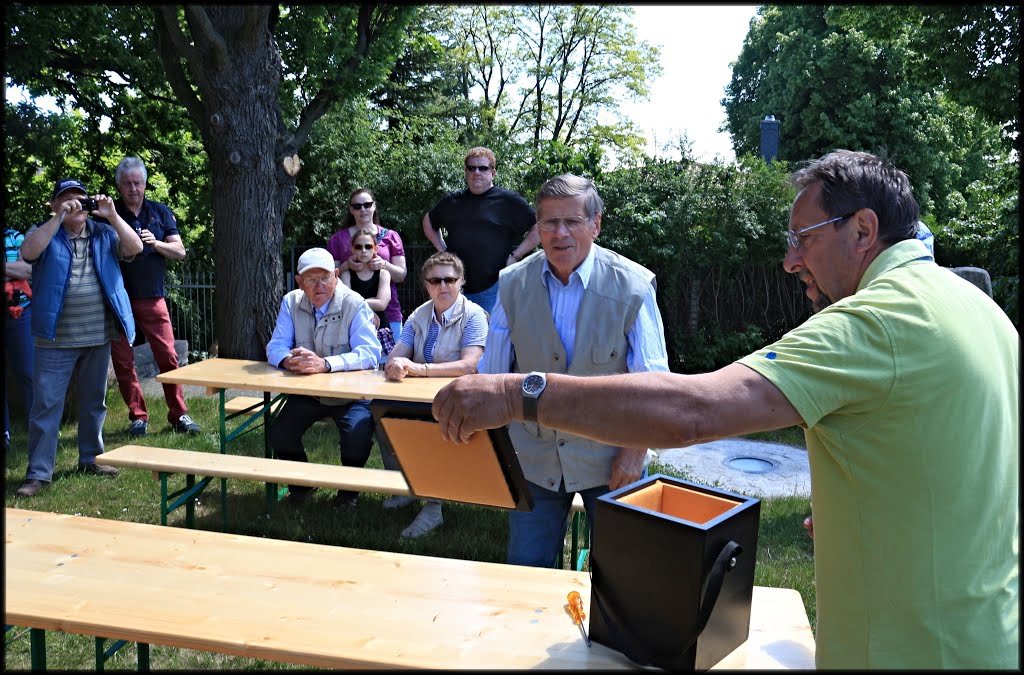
(355, 430)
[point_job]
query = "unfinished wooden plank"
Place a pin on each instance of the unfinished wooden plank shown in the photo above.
(330, 476)
(240, 403)
(323, 606)
(247, 375)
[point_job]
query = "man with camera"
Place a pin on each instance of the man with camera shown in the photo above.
(144, 281)
(79, 306)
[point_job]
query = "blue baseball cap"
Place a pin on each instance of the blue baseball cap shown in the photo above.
(65, 184)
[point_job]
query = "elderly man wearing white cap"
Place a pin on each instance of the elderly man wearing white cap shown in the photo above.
(323, 326)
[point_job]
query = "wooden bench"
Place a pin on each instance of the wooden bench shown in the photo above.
(324, 606)
(164, 462)
(240, 404)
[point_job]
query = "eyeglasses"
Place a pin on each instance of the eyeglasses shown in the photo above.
(795, 242)
(571, 224)
(436, 281)
(318, 281)
(472, 167)
(362, 247)
(361, 205)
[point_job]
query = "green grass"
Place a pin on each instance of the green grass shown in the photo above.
(784, 556)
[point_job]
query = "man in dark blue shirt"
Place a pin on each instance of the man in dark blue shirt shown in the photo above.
(487, 226)
(144, 281)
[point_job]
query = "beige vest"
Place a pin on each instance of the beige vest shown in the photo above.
(448, 346)
(329, 335)
(607, 312)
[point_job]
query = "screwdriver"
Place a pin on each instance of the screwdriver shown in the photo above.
(578, 615)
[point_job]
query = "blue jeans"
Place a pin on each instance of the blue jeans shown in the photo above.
(536, 537)
(355, 431)
(18, 359)
(53, 368)
(486, 298)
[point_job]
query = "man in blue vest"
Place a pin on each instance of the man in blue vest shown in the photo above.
(580, 309)
(79, 307)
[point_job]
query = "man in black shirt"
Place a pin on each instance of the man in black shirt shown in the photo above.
(487, 226)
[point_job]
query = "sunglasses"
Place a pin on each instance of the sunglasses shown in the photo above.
(362, 247)
(436, 281)
(361, 205)
(472, 167)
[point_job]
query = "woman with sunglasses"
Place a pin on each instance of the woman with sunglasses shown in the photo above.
(362, 214)
(444, 337)
(373, 285)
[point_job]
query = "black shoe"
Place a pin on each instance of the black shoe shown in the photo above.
(138, 428)
(29, 488)
(298, 495)
(98, 469)
(345, 500)
(185, 425)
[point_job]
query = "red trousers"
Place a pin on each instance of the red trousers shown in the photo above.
(153, 321)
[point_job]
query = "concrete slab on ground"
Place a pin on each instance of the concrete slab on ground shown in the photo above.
(783, 470)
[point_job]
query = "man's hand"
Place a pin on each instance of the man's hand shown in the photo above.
(105, 207)
(147, 237)
(627, 468)
(305, 362)
(472, 403)
(809, 526)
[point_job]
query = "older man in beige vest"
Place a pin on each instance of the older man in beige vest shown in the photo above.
(580, 309)
(323, 326)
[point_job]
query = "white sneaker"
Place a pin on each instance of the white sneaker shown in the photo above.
(426, 520)
(398, 501)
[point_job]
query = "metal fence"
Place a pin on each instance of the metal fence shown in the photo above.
(192, 307)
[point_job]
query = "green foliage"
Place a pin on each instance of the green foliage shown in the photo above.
(988, 231)
(931, 89)
(683, 219)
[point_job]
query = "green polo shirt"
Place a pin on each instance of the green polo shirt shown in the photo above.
(909, 394)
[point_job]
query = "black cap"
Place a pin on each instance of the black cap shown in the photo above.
(65, 184)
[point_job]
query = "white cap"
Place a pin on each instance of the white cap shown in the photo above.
(316, 258)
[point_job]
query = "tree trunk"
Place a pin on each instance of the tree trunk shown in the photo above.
(251, 191)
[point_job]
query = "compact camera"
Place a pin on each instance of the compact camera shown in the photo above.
(88, 203)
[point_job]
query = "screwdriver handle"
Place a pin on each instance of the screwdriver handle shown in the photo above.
(578, 615)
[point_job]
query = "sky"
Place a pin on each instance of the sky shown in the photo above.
(697, 44)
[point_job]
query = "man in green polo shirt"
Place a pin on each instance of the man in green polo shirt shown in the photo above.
(907, 386)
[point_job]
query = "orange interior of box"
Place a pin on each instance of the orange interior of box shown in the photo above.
(434, 467)
(679, 502)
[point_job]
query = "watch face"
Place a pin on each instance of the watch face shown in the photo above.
(533, 385)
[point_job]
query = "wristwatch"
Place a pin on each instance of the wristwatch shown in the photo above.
(533, 387)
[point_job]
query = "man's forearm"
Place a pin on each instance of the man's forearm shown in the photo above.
(663, 410)
(128, 240)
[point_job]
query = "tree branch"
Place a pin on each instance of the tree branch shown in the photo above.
(170, 45)
(201, 26)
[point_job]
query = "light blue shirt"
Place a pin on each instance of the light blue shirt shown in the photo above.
(362, 337)
(646, 337)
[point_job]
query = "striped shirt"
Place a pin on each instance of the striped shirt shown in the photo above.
(84, 320)
(473, 335)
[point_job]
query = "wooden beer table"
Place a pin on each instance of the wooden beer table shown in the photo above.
(322, 606)
(219, 375)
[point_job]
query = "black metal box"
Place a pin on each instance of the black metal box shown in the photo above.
(672, 564)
